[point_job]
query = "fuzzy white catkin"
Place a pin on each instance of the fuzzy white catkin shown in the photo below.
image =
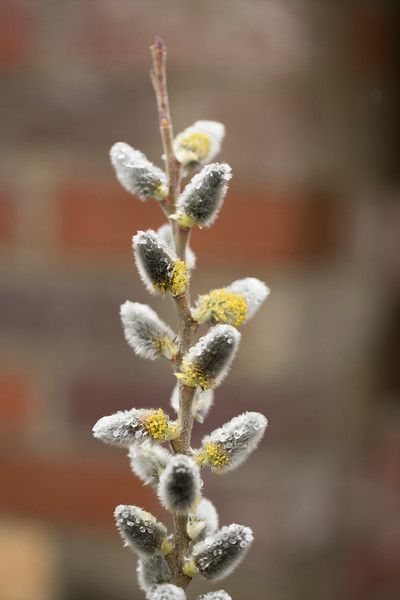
(214, 132)
(166, 591)
(203, 521)
(207, 363)
(207, 512)
(202, 402)
(139, 529)
(254, 292)
(202, 198)
(155, 261)
(145, 332)
(129, 427)
(236, 439)
(136, 173)
(165, 233)
(180, 484)
(219, 554)
(148, 461)
(153, 571)
(218, 595)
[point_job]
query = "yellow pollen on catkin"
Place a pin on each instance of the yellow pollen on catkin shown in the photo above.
(166, 547)
(156, 425)
(164, 345)
(177, 282)
(216, 455)
(193, 376)
(223, 307)
(190, 569)
(160, 192)
(197, 145)
(179, 279)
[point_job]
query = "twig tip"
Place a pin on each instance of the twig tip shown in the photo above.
(158, 43)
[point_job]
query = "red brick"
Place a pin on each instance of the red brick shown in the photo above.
(260, 225)
(15, 399)
(7, 218)
(270, 227)
(69, 491)
(104, 36)
(16, 29)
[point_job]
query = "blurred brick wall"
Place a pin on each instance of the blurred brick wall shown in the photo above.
(307, 91)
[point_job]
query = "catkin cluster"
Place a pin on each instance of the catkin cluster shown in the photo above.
(154, 439)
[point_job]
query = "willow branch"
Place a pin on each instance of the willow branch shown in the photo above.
(186, 324)
(159, 80)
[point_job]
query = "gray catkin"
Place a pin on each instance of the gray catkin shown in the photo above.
(144, 331)
(124, 428)
(153, 571)
(219, 554)
(213, 354)
(179, 484)
(238, 438)
(139, 529)
(203, 196)
(203, 521)
(148, 461)
(154, 260)
(254, 292)
(136, 173)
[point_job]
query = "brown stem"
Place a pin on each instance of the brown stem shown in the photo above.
(159, 80)
(187, 325)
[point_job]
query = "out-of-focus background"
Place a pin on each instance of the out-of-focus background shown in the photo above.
(309, 95)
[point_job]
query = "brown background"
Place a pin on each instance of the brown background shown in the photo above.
(308, 92)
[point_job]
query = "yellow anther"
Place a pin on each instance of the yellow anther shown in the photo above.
(166, 547)
(177, 283)
(193, 376)
(190, 569)
(179, 278)
(216, 455)
(156, 425)
(197, 146)
(222, 306)
(164, 345)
